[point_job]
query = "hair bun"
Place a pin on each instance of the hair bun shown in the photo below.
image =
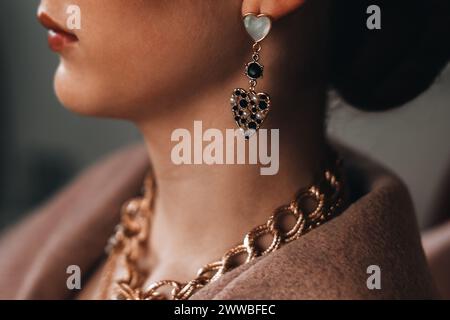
(381, 69)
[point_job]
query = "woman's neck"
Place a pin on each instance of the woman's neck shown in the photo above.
(202, 210)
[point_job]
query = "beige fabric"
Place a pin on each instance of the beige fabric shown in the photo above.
(330, 262)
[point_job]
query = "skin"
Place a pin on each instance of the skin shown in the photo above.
(163, 64)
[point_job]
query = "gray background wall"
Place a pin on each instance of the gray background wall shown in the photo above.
(42, 145)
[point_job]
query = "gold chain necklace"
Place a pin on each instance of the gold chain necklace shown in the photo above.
(130, 240)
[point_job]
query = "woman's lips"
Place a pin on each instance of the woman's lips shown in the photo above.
(58, 38)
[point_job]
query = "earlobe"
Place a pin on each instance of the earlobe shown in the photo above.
(276, 9)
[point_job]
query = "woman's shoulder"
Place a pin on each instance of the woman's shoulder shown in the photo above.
(371, 251)
(82, 215)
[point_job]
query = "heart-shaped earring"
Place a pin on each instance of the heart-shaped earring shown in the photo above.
(250, 108)
(257, 26)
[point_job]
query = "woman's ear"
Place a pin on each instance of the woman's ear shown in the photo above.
(274, 8)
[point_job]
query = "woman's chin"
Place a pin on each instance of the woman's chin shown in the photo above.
(73, 104)
(82, 98)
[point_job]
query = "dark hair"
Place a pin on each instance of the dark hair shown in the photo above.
(381, 69)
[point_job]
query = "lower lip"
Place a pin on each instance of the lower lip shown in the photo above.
(57, 41)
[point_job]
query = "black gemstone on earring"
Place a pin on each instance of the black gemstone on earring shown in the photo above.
(243, 120)
(254, 70)
(236, 118)
(252, 125)
(241, 113)
(243, 95)
(237, 92)
(235, 108)
(252, 103)
(263, 97)
(259, 121)
(253, 116)
(243, 103)
(254, 110)
(263, 105)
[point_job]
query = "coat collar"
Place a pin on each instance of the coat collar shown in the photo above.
(73, 228)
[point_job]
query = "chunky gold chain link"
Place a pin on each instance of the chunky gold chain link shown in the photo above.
(130, 240)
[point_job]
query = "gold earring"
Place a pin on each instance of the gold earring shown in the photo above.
(250, 108)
